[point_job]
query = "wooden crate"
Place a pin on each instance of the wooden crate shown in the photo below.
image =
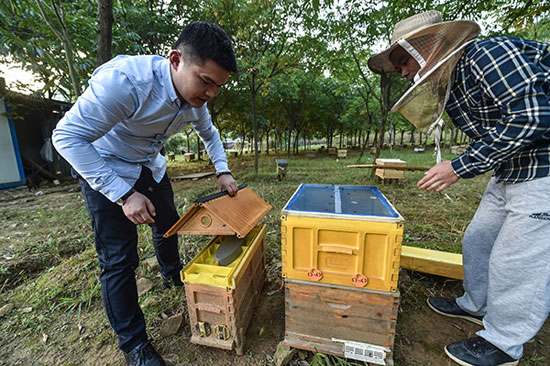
(386, 172)
(342, 153)
(219, 316)
(344, 321)
(332, 151)
(189, 156)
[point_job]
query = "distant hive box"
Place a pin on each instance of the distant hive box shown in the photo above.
(221, 299)
(342, 153)
(189, 156)
(386, 172)
(353, 323)
(332, 151)
(344, 235)
(282, 166)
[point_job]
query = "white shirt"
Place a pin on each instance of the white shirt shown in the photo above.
(123, 119)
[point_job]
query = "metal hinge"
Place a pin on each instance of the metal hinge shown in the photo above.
(364, 351)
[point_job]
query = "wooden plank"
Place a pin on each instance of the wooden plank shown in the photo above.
(193, 176)
(375, 166)
(432, 261)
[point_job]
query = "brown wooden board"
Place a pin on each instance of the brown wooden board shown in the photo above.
(193, 176)
(317, 313)
(228, 307)
(223, 215)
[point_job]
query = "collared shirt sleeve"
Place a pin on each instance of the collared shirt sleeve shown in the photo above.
(211, 139)
(516, 85)
(110, 98)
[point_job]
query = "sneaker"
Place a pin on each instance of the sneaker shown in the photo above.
(449, 307)
(144, 355)
(172, 281)
(478, 352)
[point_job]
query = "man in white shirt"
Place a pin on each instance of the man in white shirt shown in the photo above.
(112, 137)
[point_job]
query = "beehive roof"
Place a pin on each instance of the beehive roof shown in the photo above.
(221, 214)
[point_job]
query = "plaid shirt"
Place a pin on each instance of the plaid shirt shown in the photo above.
(500, 99)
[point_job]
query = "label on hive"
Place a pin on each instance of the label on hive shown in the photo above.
(364, 351)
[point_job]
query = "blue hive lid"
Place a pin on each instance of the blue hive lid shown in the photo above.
(339, 201)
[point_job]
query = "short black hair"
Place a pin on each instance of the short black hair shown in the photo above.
(200, 41)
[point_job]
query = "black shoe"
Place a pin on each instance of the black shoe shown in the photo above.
(449, 307)
(478, 352)
(172, 281)
(144, 355)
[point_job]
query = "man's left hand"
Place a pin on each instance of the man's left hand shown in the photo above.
(439, 177)
(227, 183)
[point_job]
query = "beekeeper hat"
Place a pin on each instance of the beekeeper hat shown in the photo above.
(434, 38)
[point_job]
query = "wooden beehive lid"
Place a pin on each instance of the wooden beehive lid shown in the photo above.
(221, 214)
(391, 162)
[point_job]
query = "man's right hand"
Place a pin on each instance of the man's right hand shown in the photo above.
(139, 209)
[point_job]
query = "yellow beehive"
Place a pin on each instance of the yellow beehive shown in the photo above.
(343, 235)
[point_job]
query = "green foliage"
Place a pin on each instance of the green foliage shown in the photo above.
(320, 359)
(175, 143)
(83, 301)
(302, 62)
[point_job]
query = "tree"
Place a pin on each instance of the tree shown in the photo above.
(105, 31)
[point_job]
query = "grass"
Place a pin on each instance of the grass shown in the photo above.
(48, 262)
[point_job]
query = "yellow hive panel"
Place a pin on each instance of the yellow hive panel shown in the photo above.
(337, 251)
(203, 269)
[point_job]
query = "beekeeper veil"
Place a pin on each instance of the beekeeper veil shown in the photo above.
(437, 47)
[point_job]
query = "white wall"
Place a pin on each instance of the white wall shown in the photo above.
(9, 171)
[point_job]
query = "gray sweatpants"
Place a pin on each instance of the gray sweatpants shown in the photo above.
(506, 254)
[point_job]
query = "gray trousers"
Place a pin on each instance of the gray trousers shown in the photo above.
(506, 254)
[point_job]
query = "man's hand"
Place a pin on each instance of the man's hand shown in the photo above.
(439, 177)
(227, 183)
(139, 209)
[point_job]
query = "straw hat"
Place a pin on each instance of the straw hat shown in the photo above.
(429, 23)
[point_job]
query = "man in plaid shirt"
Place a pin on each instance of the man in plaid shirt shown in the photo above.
(498, 94)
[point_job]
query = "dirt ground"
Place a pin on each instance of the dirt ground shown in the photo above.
(421, 334)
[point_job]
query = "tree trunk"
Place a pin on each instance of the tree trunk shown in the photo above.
(64, 38)
(105, 31)
(253, 91)
(385, 83)
(198, 148)
(288, 142)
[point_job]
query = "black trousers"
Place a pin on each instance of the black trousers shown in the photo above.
(116, 242)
